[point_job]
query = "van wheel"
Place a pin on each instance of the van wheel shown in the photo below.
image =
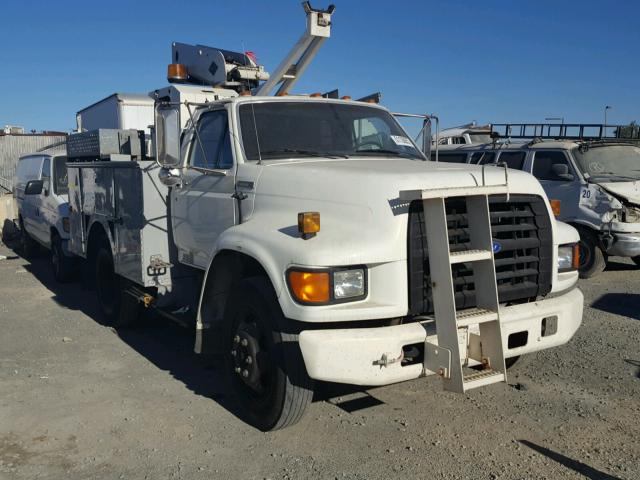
(592, 259)
(28, 245)
(63, 266)
(636, 260)
(118, 308)
(263, 363)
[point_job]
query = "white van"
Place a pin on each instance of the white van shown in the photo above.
(42, 197)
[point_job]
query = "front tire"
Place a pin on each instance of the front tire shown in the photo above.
(263, 363)
(63, 266)
(592, 258)
(636, 260)
(28, 245)
(118, 308)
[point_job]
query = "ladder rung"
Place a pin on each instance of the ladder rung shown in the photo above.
(474, 316)
(469, 256)
(482, 378)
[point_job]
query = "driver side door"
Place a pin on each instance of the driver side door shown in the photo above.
(566, 190)
(203, 205)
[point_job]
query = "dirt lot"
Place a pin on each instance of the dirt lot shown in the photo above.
(79, 400)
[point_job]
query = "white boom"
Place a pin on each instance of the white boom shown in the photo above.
(296, 62)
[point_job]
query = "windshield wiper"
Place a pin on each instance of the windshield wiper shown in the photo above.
(310, 153)
(612, 174)
(387, 152)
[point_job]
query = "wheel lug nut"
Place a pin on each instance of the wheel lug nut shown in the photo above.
(244, 342)
(236, 339)
(238, 369)
(245, 373)
(248, 360)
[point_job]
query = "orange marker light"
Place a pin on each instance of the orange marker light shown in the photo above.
(309, 223)
(309, 287)
(176, 72)
(576, 256)
(316, 95)
(345, 97)
(555, 207)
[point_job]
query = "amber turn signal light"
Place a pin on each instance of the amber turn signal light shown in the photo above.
(309, 287)
(555, 207)
(308, 223)
(576, 256)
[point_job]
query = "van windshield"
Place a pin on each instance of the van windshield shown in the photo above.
(615, 163)
(276, 130)
(60, 175)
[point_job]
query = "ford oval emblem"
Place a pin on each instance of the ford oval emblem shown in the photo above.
(497, 246)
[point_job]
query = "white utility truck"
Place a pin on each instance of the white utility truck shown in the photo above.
(309, 239)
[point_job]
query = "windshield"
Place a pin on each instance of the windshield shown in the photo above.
(295, 129)
(60, 175)
(616, 163)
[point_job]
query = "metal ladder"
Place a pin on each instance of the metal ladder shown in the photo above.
(486, 348)
(445, 358)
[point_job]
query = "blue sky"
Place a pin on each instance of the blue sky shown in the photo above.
(490, 61)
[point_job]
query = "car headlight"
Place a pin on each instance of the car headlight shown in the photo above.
(327, 286)
(631, 215)
(568, 257)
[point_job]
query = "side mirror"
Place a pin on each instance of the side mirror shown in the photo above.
(169, 176)
(426, 138)
(167, 132)
(561, 171)
(33, 187)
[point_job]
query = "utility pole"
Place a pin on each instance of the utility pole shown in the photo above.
(607, 107)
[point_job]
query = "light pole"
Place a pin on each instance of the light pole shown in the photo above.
(607, 107)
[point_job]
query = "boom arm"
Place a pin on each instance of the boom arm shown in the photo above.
(294, 64)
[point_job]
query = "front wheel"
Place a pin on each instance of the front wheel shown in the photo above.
(263, 363)
(592, 259)
(28, 245)
(63, 266)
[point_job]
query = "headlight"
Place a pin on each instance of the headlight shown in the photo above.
(327, 286)
(348, 283)
(631, 215)
(568, 257)
(65, 224)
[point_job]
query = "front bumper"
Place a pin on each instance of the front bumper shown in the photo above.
(350, 355)
(625, 245)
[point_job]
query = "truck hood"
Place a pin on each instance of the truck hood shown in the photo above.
(361, 181)
(363, 220)
(629, 191)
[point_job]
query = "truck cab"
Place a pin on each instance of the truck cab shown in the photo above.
(42, 198)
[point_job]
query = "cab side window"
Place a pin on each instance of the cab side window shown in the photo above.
(482, 158)
(513, 160)
(551, 165)
(450, 157)
(213, 149)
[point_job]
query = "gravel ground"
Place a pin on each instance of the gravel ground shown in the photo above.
(79, 400)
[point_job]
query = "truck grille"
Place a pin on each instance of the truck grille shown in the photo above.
(521, 225)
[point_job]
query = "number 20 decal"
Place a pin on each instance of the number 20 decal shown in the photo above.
(586, 193)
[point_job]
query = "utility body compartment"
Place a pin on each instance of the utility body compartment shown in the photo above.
(130, 202)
